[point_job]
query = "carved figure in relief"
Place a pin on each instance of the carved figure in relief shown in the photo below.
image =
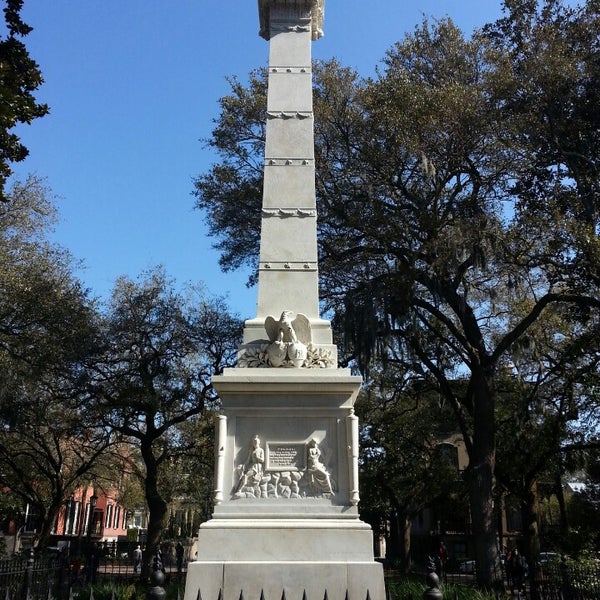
(251, 472)
(259, 478)
(317, 476)
(289, 339)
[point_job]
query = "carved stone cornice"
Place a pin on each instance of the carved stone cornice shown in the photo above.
(316, 8)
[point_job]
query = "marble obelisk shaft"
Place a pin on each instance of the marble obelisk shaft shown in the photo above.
(288, 270)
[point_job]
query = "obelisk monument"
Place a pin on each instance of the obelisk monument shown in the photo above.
(285, 523)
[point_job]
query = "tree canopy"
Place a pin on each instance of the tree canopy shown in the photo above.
(20, 77)
(149, 380)
(457, 208)
(83, 386)
(47, 328)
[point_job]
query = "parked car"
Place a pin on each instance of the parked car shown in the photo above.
(467, 566)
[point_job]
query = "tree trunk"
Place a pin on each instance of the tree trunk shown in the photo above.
(157, 509)
(47, 522)
(481, 477)
(531, 523)
(393, 551)
(500, 512)
(46, 525)
(406, 557)
(562, 506)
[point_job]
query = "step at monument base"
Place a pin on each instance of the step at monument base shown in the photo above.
(280, 580)
(303, 558)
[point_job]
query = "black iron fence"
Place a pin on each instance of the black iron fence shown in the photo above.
(30, 578)
(568, 581)
(58, 575)
(33, 578)
(118, 569)
(556, 580)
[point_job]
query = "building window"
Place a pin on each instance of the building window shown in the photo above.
(448, 454)
(117, 517)
(109, 512)
(73, 517)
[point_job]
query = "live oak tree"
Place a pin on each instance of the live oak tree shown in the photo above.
(546, 417)
(47, 328)
(443, 212)
(584, 509)
(405, 465)
(547, 79)
(44, 310)
(151, 376)
(186, 479)
(443, 262)
(20, 77)
(48, 448)
(192, 478)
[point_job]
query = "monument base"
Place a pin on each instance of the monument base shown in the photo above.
(285, 524)
(294, 560)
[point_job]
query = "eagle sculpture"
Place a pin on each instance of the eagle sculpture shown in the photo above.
(289, 339)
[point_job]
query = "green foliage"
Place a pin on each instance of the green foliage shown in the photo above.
(108, 591)
(402, 589)
(404, 466)
(19, 78)
(150, 380)
(130, 591)
(47, 327)
(583, 509)
(410, 589)
(458, 592)
(457, 196)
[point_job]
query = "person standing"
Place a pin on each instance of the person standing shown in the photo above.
(518, 571)
(179, 557)
(137, 559)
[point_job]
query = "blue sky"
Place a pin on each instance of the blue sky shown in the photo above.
(133, 87)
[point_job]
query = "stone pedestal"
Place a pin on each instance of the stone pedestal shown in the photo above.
(288, 524)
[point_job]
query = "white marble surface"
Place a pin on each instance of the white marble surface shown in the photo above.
(286, 474)
(297, 579)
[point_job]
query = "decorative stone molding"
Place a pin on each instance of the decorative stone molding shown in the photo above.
(288, 266)
(281, 28)
(315, 8)
(283, 69)
(289, 212)
(289, 115)
(220, 459)
(256, 357)
(289, 162)
(352, 435)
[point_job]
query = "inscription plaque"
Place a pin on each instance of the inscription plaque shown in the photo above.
(285, 456)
